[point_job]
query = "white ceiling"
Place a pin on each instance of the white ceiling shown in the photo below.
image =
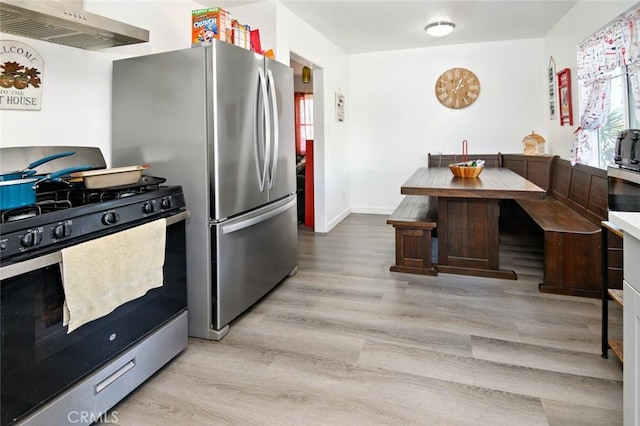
(358, 26)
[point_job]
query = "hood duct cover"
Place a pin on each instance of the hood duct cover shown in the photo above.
(65, 22)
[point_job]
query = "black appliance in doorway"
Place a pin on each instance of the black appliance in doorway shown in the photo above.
(50, 376)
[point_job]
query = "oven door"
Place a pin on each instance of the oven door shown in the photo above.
(39, 359)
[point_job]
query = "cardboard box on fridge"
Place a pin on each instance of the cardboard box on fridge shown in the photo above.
(241, 34)
(209, 24)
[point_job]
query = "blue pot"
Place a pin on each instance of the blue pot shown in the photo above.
(22, 192)
(17, 193)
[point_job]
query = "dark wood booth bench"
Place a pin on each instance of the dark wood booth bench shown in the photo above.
(570, 218)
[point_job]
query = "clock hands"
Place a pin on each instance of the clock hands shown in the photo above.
(459, 86)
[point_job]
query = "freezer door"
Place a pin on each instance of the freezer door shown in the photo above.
(237, 146)
(282, 167)
(254, 252)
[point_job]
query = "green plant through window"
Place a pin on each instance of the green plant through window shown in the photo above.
(607, 136)
(620, 115)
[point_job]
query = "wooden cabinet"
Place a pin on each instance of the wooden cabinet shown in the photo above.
(535, 168)
(612, 262)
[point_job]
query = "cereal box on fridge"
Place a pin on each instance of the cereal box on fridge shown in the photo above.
(207, 24)
(240, 34)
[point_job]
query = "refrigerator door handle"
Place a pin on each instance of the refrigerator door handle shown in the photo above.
(259, 120)
(276, 136)
(254, 220)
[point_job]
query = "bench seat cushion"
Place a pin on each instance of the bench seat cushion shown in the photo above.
(554, 216)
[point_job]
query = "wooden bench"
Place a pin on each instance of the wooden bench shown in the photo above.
(443, 160)
(570, 218)
(413, 221)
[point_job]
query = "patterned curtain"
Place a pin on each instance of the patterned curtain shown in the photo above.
(633, 71)
(616, 46)
(596, 109)
(612, 47)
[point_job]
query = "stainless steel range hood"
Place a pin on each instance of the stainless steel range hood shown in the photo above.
(65, 22)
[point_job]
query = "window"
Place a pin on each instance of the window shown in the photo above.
(304, 121)
(609, 88)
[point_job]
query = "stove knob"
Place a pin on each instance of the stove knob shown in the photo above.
(165, 203)
(31, 238)
(110, 218)
(149, 207)
(61, 230)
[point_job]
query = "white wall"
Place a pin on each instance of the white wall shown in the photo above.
(396, 118)
(585, 18)
(261, 16)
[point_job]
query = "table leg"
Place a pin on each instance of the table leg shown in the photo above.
(468, 241)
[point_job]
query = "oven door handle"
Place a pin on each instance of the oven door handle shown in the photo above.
(40, 262)
(30, 265)
(178, 217)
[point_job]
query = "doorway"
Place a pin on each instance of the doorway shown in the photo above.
(304, 134)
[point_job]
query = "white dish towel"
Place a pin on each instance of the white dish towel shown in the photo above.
(102, 274)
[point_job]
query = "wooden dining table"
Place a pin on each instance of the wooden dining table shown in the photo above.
(468, 215)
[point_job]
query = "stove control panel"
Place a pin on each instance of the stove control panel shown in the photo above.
(62, 228)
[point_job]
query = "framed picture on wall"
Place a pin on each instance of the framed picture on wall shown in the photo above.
(551, 81)
(564, 96)
(339, 107)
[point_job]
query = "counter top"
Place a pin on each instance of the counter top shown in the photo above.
(628, 221)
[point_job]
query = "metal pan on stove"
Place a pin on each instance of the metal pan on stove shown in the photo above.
(106, 178)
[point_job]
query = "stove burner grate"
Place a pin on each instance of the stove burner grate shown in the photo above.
(20, 213)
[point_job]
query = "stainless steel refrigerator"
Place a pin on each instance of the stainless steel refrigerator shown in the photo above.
(219, 121)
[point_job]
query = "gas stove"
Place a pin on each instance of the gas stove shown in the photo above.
(66, 215)
(129, 343)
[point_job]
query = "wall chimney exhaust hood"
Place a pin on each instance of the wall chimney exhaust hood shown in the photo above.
(65, 22)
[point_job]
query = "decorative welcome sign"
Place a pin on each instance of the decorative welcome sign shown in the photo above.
(21, 70)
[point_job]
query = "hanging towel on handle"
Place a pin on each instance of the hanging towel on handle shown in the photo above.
(102, 274)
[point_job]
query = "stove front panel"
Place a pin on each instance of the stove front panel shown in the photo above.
(39, 234)
(39, 360)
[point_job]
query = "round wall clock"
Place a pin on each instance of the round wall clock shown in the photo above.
(457, 88)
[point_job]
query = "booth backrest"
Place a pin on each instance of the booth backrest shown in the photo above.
(443, 160)
(583, 188)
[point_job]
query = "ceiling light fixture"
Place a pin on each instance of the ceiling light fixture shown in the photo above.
(439, 29)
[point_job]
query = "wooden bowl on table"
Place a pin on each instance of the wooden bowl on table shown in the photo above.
(465, 171)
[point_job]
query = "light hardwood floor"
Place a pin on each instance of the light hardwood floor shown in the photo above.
(346, 342)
